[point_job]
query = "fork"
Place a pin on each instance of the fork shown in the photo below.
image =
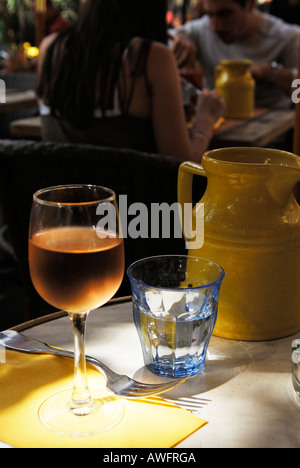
(121, 385)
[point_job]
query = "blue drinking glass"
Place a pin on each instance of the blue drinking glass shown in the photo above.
(175, 303)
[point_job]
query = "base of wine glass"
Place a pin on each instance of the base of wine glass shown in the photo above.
(57, 416)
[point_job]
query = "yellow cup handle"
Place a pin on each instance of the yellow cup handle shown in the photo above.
(187, 170)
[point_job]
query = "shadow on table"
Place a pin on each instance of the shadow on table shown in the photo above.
(225, 360)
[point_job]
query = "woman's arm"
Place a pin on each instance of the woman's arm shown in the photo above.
(168, 116)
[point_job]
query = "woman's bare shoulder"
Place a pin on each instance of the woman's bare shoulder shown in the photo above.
(157, 48)
(161, 61)
(46, 42)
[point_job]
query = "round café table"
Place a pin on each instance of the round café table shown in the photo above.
(244, 391)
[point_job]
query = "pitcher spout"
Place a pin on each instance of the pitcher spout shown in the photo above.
(282, 182)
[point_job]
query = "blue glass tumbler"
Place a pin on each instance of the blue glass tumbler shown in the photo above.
(175, 302)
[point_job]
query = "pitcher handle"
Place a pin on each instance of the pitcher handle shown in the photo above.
(187, 170)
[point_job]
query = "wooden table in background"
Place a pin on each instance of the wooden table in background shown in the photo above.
(19, 100)
(265, 127)
(27, 128)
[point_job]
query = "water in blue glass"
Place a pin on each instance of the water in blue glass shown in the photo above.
(175, 346)
(175, 302)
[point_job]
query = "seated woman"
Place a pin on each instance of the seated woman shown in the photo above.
(110, 80)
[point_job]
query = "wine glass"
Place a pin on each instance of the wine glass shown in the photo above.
(76, 260)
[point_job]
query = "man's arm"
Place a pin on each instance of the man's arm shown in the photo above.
(276, 74)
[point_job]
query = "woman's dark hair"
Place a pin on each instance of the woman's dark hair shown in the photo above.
(90, 51)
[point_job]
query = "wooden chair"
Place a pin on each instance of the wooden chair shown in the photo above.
(26, 166)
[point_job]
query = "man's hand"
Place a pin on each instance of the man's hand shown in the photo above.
(261, 71)
(283, 77)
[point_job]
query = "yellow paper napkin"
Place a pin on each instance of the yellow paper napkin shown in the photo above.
(27, 380)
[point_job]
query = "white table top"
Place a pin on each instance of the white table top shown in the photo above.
(245, 386)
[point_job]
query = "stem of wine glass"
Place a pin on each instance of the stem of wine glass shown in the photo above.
(81, 403)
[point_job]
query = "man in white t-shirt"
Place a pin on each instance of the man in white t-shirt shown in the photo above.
(235, 29)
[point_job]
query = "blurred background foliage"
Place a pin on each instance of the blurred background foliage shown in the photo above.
(17, 24)
(16, 21)
(67, 7)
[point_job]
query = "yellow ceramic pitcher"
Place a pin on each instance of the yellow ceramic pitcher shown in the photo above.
(235, 84)
(252, 229)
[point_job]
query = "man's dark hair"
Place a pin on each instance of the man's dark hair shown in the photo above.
(242, 3)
